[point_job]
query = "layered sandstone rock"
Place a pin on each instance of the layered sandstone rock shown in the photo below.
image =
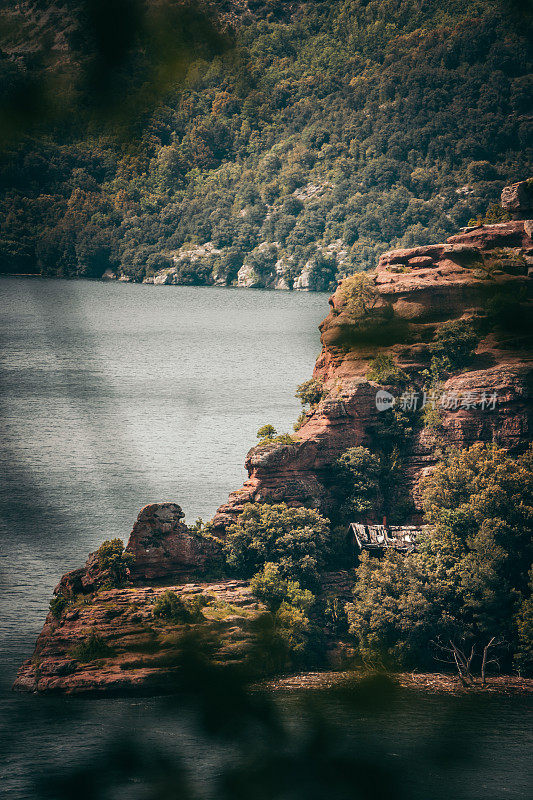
(162, 546)
(416, 290)
(140, 652)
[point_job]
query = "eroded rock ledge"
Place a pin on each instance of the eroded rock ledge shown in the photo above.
(163, 547)
(141, 651)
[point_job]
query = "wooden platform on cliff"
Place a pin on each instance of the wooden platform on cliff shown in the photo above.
(402, 538)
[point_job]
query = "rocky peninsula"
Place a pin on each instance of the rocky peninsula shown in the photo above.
(481, 272)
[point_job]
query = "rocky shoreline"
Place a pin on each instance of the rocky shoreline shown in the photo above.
(427, 683)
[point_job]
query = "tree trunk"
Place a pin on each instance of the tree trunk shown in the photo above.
(484, 660)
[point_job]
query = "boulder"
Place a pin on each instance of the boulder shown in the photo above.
(517, 199)
(248, 278)
(164, 546)
(165, 277)
(109, 275)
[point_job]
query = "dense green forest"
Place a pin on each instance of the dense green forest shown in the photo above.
(310, 139)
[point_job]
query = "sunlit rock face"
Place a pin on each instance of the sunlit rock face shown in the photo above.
(163, 546)
(415, 291)
(517, 199)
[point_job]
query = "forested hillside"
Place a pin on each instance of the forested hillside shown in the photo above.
(309, 139)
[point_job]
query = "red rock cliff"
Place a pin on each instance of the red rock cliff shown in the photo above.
(415, 291)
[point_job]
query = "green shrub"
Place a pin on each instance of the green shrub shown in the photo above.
(180, 609)
(432, 412)
(272, 438)
(285, 639)
(384, 370)
(524, 627)
(357, 295)
(266, 432)
(114, 561)
(507, 311)
(494, 213)
(310, 392)
(294, 627)
(302, 419)
(92, 648)
(432, 416)
(283, 438)
(334, 614)
(357, 482)
(58, 605)
(297, 539)
(456, 341)
(269, 585)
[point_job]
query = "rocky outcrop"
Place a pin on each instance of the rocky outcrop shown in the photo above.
(415, 290)
(517, 199)
(162, 547)
(481, 275)
(297, 473)
(113, 643)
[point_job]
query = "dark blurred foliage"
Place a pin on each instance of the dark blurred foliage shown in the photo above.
(104, 64)
(133, 128)
(337, 744)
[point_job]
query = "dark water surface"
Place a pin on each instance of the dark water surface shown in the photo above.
(113, 396)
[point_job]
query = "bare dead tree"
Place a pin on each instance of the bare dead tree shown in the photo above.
(493, 659)
(451, 653)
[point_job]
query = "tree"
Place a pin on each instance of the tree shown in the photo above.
(180, 609)
(266, 432)
(357, 483)
(269, 585)
(310, 392)
(524, 627)
(296, 539)
(289, 630)
(466, 589)
(389, 618)
(383, 369)
(456, 341)
(58, 605)
(357, 295)
(114, 562)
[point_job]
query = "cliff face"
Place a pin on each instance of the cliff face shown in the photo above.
(414, 291)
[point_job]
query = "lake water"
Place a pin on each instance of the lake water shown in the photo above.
(114, 396)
